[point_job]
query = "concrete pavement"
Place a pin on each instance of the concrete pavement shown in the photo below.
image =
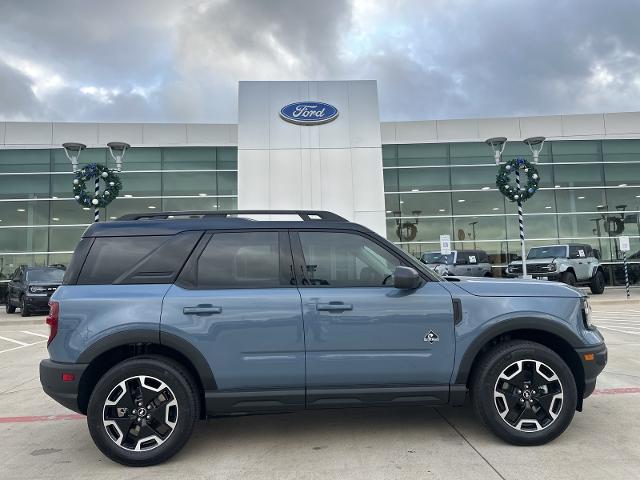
(372, 443)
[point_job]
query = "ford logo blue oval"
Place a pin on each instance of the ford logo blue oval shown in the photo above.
(308, 113)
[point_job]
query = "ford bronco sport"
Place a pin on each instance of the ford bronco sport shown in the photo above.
(573, 264)
(166, 318)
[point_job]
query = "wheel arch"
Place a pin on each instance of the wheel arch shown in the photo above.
(548, 333)
(115, 348)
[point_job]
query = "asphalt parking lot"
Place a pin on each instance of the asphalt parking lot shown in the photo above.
(41, 439)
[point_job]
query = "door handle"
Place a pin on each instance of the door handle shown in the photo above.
(333, 307)
(202, 310)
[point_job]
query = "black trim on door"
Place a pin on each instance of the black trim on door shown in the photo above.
(372, 396)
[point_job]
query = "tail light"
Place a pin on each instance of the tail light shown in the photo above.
(52, 320)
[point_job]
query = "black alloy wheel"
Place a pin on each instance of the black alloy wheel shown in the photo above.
(143, 410)
(524, 392)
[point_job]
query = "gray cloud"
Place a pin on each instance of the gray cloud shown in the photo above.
(163, 60)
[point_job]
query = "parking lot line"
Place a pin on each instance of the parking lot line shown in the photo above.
(14, 341)
(610, 328)
(22, 346)
(36, 334)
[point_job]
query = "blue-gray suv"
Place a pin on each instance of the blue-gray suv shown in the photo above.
(167, 318)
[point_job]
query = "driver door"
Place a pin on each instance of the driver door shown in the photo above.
(366, 341)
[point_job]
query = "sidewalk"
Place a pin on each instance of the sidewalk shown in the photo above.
(615, 295)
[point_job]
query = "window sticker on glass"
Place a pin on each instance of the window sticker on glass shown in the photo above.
(472, 259)
(581, 253)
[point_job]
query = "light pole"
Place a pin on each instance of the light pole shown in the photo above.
(72, 151)
(497, 144)
(117, 151)
(473, 230)
(535, 144)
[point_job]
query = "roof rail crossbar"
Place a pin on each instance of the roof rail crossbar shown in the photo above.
(306, 215)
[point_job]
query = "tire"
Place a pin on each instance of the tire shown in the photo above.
(173, 420)
(24, 308)
(8, 307)
(511, 415)
(597, 283)
(569, 278)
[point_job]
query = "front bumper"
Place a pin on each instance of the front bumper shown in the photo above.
(37, 302)
(593, 361)
(63, 392)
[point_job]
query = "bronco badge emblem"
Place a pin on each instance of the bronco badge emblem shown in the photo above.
(431, 337)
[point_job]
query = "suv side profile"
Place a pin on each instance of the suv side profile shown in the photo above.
(166, 318)
(30, 289)
(466, 263)
(574, 264)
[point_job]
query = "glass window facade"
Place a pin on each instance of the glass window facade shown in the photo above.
(40, 222)
(590, 193)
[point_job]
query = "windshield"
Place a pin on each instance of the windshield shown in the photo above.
(437, 257)
(53, 275)
(547, 252)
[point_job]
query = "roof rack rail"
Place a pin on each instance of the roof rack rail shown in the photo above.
(305, 215)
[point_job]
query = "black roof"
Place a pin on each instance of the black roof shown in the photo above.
(169, 223)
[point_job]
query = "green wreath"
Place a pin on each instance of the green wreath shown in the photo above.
(511, 191)
(113, 185)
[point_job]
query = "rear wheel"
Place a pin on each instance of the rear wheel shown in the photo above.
(8, 307)
(597, 283)
(143, 410)
(524, 393)
(569, 278)
(24, 308)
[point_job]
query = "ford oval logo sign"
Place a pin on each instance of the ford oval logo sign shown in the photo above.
(308, 113)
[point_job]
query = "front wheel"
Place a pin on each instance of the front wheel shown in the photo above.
(569, 278)
(143, 410)
(524, 393)
(8, 307)
(24, 308)
(597, 283)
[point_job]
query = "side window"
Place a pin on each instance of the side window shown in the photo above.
(576, 252)
(241, 260)
(346, 260)
(462, 258)
(110, 257)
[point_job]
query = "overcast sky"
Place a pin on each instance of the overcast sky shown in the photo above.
(180, 61)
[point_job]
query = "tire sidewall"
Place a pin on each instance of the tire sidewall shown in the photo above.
(569, 278)
(598, 283)
(175, 379)
(484, 388)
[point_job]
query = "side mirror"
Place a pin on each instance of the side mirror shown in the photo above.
(406, 278)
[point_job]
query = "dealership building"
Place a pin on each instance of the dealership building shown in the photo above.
(321, 146)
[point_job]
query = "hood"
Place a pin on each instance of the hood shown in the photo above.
(507, 287)
(537, 261)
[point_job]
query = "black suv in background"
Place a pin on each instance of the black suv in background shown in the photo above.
(30, 289)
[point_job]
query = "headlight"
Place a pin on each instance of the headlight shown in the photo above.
(552, 267)
(37, 289)
(586, 313)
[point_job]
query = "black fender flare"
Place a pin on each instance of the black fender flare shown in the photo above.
(147, 336)
(540, 324)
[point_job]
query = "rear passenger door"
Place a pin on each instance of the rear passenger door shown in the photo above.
(237, 303)
(578, 255)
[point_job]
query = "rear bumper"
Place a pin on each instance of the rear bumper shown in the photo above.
(63, 392)
(592, 368)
